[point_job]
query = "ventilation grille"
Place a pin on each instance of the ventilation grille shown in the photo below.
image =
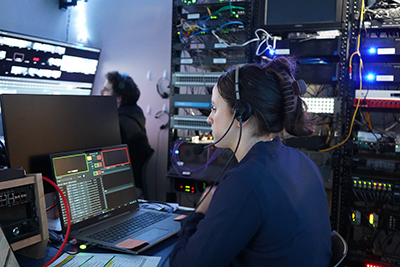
(327, 105)
(208, 79)
(190, 123)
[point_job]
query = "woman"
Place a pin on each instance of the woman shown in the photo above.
(132, 122)
(271, 209)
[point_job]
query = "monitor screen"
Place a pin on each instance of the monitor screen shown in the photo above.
(33, 65)
(36, 126)
(294, 15)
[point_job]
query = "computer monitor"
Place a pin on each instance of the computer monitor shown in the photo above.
(36, 126)
(34, 65)
(293, 15)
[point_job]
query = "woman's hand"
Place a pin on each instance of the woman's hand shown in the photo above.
(206, 199)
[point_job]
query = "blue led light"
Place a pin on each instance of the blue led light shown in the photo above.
(370, 77)
(177, 152)
(372, 50)
(271, 52)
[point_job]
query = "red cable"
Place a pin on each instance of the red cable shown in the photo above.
(52, 206)
(68, 221)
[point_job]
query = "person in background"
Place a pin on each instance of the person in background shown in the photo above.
(271, 209)
(131, 121)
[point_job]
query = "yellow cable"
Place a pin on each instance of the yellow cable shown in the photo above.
(360, 74)
(368, 119)
(329, 131)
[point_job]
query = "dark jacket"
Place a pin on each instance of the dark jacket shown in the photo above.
(271, 210)
(133, 133)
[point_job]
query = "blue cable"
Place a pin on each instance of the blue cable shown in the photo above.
(230, 23)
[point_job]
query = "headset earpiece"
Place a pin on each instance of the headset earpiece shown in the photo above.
(123, 79)
(242, 109)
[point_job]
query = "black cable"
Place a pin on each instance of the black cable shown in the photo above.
(159, 114)
(218, 178)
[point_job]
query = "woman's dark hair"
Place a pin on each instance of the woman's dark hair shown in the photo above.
(124, 86)
(261, 87)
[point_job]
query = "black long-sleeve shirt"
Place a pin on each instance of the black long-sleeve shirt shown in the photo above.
(271, 210)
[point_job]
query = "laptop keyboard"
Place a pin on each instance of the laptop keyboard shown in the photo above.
(128, 227)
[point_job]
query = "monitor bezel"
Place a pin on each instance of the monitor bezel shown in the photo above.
(301, 26)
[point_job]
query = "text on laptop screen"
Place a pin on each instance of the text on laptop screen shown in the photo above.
(94, 182)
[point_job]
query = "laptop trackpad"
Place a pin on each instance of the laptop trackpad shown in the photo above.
(152, 234)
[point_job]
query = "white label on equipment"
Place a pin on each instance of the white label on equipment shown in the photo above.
(219, 60)
(193, 16)
(218, 45)
(186, 61)
(282, 51)
(384, 78)
(386, 51)
(195, 46)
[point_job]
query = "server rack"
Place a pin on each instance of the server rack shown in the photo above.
(370, 185)
(208, 38)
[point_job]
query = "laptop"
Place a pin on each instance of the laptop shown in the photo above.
(100, 191)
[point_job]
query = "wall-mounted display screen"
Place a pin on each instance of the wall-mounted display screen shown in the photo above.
(33, 65)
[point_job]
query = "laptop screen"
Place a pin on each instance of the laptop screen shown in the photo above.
(97, 183)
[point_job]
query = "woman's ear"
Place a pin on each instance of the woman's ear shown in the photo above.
(244, 122)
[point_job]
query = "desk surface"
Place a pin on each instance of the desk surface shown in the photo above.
(162, 250)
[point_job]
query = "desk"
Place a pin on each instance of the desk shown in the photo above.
(162, 250)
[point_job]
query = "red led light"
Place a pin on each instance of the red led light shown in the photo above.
(374, 265)
(36, 59)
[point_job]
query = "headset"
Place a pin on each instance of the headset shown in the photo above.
(241, 109)
(124, 76)
(159, 90)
